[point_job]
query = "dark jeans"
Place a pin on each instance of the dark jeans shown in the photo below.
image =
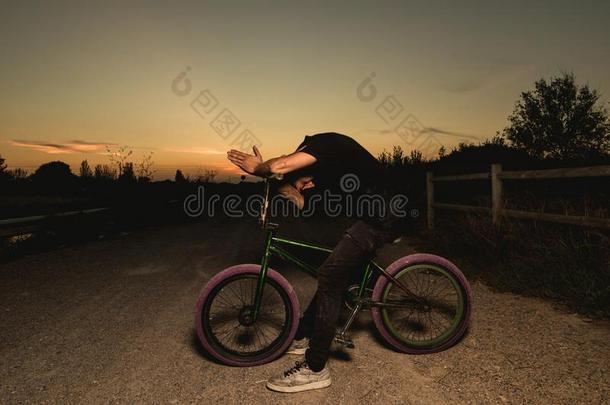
(348, 258)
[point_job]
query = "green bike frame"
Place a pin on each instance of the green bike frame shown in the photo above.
(273, 248)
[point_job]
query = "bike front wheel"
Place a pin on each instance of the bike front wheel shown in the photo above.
(436, 312)
(224, 316)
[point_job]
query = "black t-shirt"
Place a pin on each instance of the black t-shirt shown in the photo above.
(342, 164)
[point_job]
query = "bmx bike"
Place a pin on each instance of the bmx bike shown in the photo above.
(248, 314)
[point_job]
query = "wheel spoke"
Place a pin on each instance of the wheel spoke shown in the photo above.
(426, 321)
(230, 309)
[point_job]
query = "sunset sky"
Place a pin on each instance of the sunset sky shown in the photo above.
(78, 78)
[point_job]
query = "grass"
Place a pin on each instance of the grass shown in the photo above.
(566, 263)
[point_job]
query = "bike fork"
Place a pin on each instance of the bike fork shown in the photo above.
(258, 295)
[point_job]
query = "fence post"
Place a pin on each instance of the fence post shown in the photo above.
(496, 193)
(430, 199)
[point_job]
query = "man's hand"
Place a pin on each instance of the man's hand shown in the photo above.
(289, 192)
(253, 164)
(248, 163)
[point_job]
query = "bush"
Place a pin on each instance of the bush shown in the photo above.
(567, 263)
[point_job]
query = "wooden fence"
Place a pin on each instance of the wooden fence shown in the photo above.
(497, 211)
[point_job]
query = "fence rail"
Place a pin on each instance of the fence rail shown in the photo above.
(497, 210)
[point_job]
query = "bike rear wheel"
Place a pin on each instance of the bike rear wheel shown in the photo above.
(224, 320)
(433, 321)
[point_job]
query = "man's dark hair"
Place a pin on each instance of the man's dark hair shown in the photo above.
(296, 174)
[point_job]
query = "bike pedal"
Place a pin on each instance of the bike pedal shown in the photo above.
(347, 342)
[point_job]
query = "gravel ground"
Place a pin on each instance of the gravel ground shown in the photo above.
(111, 321)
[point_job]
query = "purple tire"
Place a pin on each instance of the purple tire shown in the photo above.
(209, 298)
(442, 268)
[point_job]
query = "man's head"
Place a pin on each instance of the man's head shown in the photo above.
(293, 185)
(303, 183)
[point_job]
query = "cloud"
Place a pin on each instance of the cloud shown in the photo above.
(230, 168)
(385, 131)
(430, 130)
(475, 70)
(451, 133)
(196, 150)
(464, 87)
(75, 146)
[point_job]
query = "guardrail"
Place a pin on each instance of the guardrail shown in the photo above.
(497, 210)
(16, 226)
(21, 225)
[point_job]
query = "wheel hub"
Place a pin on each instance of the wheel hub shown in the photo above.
(246, 316)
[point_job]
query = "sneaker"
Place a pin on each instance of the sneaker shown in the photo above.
(298, 346)
(300, 378)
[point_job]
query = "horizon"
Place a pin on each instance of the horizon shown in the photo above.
(82, 78)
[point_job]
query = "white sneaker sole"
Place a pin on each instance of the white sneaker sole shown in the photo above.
(305, 387)
(296, 351)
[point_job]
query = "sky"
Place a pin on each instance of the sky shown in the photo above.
(79, 80)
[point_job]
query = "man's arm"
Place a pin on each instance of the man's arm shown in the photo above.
(284, 164)
(255, 165)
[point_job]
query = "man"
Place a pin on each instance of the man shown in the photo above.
(323, 161)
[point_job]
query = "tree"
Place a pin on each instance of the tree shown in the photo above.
(415, 157)
(442, 151)
(85, 171)
(3, 173)
(128, 174)
(392, 159)
(206, 176)
(384, 158)
(560, 119)
(474, 157)
(397, 158)
(53, 171)
(54, 176)
(210, 175)
(17, 174)
(145, 168)
(119, 158)
(104, 173)
(179, 177)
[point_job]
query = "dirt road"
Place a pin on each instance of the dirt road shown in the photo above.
(112, 321)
